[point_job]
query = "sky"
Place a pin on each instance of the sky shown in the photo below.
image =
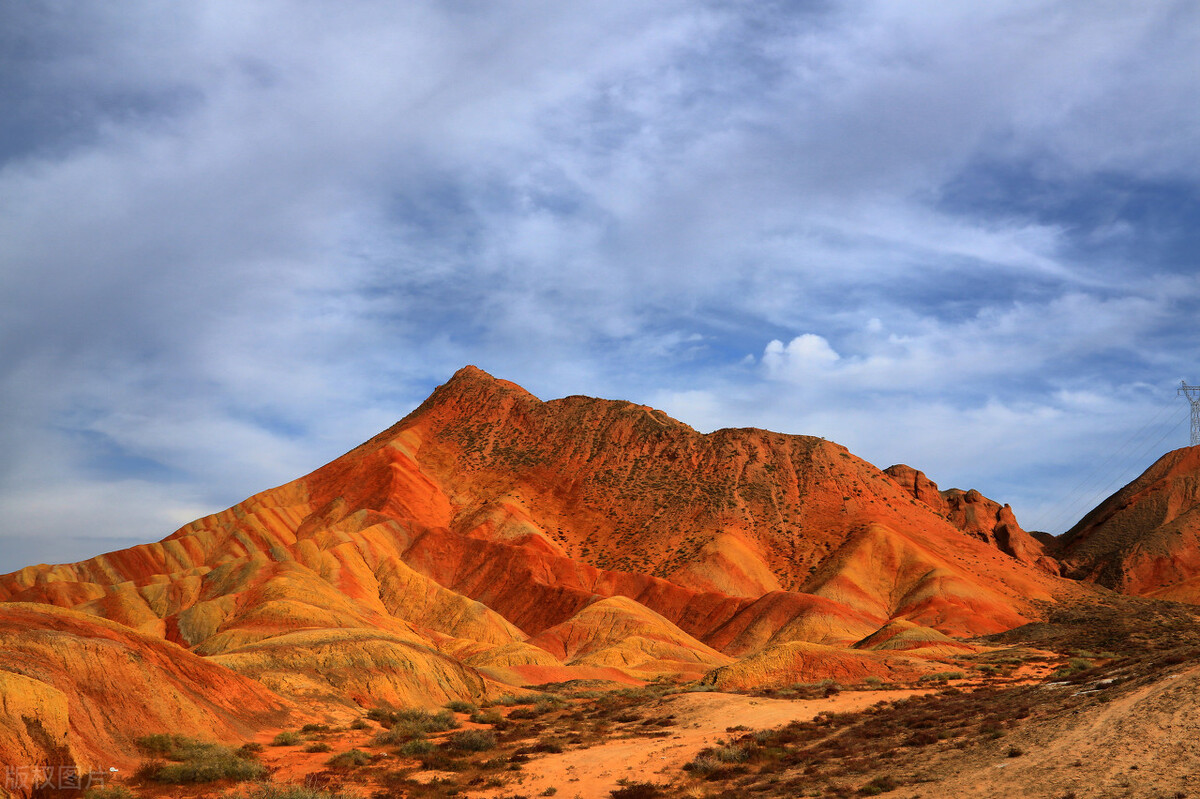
(239, 238)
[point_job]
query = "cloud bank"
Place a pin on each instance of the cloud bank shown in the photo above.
(239, 238)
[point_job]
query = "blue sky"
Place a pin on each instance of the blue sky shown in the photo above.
(237, 239)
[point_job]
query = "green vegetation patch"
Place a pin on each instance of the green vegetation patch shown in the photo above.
(177, 759)
(404, 725)
(287, 792)
(351, 759)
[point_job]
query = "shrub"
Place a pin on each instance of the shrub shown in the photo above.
(359, 724)
(546, 700)
(879, 785)
(165, 745)
(416, 747)
(942, 676)
(384, 717)
(351, 759)
(194, 761)
(492, 717)
(731, 754)
(921, 738)
(311, 728)
(286, 738)
(702, 764)
(438, 760)
(525, 713)
(1015, 751)
(286, 792)
(414, 723)
(1074, 666)
(216, 763)
(317, 747)
(110, 792)
(508, 700)
(250, 749)
(636, 790)
(460, 706)
(473, 740)
(146, 770)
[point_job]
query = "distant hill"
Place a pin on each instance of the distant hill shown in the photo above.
(1144, 539)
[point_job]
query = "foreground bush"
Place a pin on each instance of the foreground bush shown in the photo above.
(166, 745)
(189, 760)
(492, 717)
(407, 724)
(637, 790)
(882, 784)
(473, 740)
(351, 759)
(286, 792)
(110, 792)
(416, 747)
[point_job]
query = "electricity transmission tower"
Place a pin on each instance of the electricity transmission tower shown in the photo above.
(1193, 396)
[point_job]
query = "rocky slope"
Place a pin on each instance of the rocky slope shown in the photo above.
(1144, 539)
(977, 516)
(490, 537)
(76, 689)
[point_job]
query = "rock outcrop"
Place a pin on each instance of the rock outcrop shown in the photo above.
(977, 516)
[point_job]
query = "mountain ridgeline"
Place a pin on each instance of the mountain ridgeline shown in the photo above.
(490, 540)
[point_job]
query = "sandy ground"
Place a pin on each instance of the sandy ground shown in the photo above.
(1146, 744)
(701, 720)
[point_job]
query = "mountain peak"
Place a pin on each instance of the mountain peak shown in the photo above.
(472, 378)
(471, 392)
(471, 372)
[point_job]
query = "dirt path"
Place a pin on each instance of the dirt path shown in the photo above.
(1145, 744)
(701, 720)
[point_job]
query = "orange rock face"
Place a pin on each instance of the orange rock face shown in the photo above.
(977, 516)
(490, 536)
(1144, 539)
(75, 689)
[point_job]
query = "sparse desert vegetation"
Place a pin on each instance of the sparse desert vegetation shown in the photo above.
(985, 706)
(179, 759)
(611, 635)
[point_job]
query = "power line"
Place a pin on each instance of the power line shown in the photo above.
(1085, 488)
(1193, 396)
(1114, 454)
(1094, 499)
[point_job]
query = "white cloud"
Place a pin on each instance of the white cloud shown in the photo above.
(803, 356)
(241, 238)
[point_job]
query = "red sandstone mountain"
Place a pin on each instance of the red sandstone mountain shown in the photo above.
(977, 516)
(490, 539)
(1144, 539)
